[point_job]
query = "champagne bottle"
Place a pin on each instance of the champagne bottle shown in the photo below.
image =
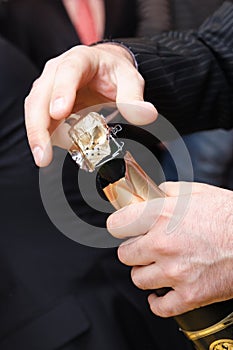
(209, 327)
(124, 182)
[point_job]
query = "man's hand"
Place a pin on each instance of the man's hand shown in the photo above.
(185, 242)
(79, 78)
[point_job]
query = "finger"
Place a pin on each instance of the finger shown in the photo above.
(132, 254)
(60, 136)
(129, 98)
(37, 118)
(138, 112)
(136, 252)
(75, 70)
(171, 304)
(175, 189)
(180, 188)
(149, 277)
(135, 219)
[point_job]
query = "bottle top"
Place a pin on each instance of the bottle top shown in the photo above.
(93, 141)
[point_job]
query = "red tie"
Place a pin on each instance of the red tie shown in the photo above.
(85, 24)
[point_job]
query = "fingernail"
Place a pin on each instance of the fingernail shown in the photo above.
(38, 154)
(57, 105)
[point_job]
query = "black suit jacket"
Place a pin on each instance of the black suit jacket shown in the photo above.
(42, 29)
(189, 75)
(54, 292)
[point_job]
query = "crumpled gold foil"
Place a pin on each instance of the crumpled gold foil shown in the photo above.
(90, 137)
(135, 186)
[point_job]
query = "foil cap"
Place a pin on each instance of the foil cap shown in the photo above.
(90, 137)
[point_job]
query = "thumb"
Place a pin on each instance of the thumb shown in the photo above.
(135, 219)
(180, 188)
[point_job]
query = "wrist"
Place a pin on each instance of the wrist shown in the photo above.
(119, 48)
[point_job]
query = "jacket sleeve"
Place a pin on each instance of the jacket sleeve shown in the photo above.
(189, 75)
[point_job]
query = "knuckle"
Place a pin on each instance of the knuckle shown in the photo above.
(32, 96)
(158, 245)
(140, 79)
(50, 63)
(189, 298)
(172, 271)
(27, 101)
(177, 271)
(35, 83)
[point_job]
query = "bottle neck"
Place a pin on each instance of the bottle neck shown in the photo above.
(205, 317)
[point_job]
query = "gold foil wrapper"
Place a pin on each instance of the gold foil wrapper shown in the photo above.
(90, 139)
(135, 186)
